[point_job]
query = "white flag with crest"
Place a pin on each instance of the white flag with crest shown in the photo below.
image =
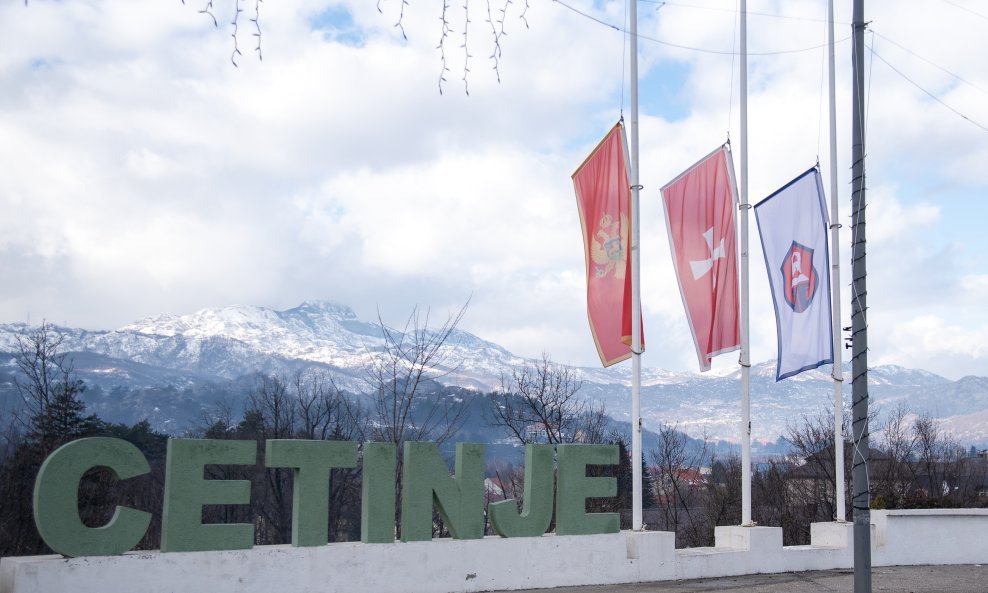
(793, 226)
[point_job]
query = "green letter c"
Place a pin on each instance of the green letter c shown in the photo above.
(56, 498)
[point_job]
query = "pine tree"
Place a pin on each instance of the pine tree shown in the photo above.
(625, 479)
(648, 488)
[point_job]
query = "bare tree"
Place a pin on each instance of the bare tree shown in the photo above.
(50, 393)
(271, 410)
(309, 406)
(679, 483)
(407, 402)
(324, 412)
(18, 468)
(942, 471)
(53, 415)
(811, 480)
(777, 502)
(721, 500)
(893, 477)
(271, 413)
(538, 403)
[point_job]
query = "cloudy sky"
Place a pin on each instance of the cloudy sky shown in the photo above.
(144, 173)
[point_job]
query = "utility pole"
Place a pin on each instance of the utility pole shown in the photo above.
(859, 320)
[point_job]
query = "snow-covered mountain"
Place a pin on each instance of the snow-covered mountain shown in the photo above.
(228, 342)
(201, 356)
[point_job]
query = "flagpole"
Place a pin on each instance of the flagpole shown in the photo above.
(837, 373)
(636, 337)
(743, 248)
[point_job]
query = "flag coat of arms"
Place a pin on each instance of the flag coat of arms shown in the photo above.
(603, 196)
(699, 207)
(793, 225)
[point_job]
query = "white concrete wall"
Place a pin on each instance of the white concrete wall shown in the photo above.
(898, 538)
(930, 536)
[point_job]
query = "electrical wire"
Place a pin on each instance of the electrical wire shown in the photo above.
(928, 93)
(930, 62)
(688, 47)
(966, 9)
(754, 13)
(733, 51)
(591, 17)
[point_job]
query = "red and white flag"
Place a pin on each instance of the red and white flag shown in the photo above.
(603, 196)
(699, 206)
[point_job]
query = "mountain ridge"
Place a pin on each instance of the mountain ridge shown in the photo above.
(211, 347)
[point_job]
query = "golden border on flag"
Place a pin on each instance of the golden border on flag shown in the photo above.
(603, 197)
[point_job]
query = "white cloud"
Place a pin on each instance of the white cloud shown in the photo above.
(974, 287)
(145, 174)
(929, 341)
(895, 223)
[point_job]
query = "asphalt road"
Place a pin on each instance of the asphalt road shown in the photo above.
(886, 579)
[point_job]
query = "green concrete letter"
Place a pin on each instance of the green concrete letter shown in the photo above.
(312, 462)
(536, 516)
(459, 499)
(187, 490)
(56, 498)
(573, 488)
(377, 497)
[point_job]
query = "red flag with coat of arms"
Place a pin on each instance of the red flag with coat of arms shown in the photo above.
(699, 206)
(603, 197)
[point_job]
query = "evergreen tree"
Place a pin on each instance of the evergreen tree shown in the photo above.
(648, 488)
(625, 479)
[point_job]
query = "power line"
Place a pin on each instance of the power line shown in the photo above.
(731, 53)
(965, 8)
(931, 63)
(930, 94)
(688, 47)
(591, 17)
(750, 12)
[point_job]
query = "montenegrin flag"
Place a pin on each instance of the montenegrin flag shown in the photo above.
(603, 197)
(699, 207)
(793, 225)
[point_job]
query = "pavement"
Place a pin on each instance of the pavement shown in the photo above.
(970, 578)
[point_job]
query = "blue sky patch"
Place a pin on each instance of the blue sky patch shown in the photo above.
(660, 92)
(336, 24)
(44, 63)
